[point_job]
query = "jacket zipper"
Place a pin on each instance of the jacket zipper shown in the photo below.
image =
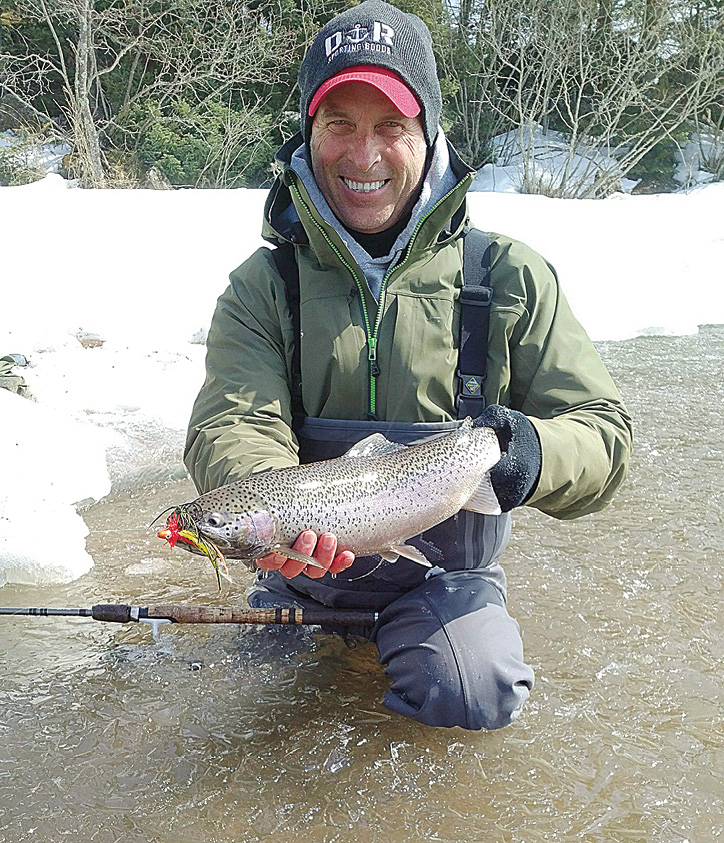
(372, 331)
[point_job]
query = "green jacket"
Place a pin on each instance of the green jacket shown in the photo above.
(540, 360)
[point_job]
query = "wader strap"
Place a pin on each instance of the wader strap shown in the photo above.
(286, 263)
(475, 298)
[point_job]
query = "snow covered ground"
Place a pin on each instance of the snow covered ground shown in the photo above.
(701, 152)
(551, 152)
(30, 155)
(109, 294)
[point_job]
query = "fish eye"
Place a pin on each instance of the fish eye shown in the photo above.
(214, 519)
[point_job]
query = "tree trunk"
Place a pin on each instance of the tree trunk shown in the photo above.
(86, 132)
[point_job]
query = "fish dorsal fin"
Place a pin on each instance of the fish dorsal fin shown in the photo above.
(374, 446)
(483, 499)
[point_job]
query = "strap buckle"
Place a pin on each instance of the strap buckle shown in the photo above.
(471, 386)
(476, 295)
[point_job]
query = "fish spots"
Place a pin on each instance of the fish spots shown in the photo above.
(369, 502)
(343, 481)
(312, 485)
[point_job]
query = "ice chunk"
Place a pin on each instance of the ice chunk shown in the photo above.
(49, 463)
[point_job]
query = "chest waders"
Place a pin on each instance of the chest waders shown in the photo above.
(467, 540)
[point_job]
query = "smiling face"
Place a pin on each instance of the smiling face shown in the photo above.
(367, 157)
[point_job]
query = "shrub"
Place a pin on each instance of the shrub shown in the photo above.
(205, 144)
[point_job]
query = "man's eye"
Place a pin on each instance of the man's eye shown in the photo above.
(339, 126)
(389, 129)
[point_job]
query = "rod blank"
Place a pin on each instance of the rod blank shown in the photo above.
(47, 612)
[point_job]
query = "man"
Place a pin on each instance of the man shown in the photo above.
(372, 201)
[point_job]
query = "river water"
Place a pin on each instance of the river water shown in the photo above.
(228, 734)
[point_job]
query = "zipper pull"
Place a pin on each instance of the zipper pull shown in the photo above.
(372, 357)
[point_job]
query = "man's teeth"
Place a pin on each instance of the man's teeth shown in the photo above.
(364, 187)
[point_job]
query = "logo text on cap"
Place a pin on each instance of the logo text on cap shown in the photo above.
(380, 39)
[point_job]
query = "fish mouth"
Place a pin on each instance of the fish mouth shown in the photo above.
(244, 554)
(219, 541)
(182, 527)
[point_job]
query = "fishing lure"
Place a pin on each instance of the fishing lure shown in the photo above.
(180, 527)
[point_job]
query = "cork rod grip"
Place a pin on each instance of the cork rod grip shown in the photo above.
(244, 614)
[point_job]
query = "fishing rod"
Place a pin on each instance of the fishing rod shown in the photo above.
(155, 615)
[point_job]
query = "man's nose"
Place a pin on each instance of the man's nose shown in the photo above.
(364, 151)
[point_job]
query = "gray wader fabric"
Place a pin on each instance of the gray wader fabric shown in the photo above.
(453, 653)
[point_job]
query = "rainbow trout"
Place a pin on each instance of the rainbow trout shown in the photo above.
(373, 498)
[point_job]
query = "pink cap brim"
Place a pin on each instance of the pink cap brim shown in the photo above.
(384, 80)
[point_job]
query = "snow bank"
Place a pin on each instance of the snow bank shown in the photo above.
(109, 294)
(629, 265)
(48, 156)
(49, 463)
(702, 151)
(136, 268)
(549, 156)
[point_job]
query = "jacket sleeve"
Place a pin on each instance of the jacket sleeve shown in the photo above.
(556, 377)
(241, 419)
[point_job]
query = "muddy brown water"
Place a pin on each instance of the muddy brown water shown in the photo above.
(222, 734)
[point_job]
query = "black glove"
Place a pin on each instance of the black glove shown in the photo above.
(515, 476)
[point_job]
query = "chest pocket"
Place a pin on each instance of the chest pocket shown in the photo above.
(332, 362)
(423, 357)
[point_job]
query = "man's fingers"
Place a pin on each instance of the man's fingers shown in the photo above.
(291, 568)
(305, 543)
(271, 562)
(341, 562)
(324, 554)
(324, 550)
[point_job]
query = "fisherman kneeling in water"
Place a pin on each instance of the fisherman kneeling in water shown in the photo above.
(353, 325)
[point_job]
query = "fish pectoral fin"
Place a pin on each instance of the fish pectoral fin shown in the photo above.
(409, 552)
(374, 446)
(389, 555)
(290, 553)
(483, 499)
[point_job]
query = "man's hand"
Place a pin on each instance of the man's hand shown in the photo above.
(323, 550)
(516, 475)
